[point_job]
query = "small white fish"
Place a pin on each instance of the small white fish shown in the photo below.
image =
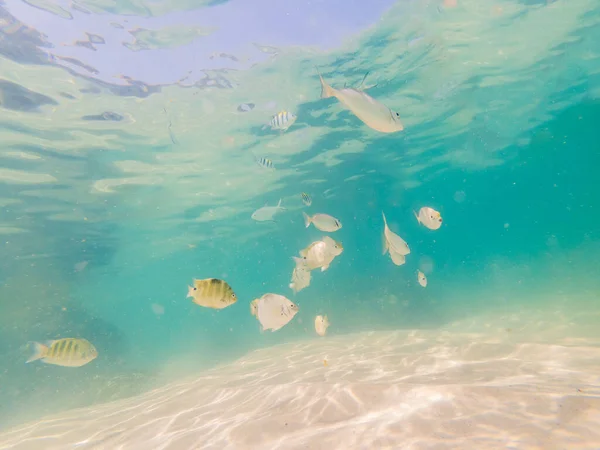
(274, 311)
(393, 242)
(320, 254)
(429, 217)
(267, 213)
(373, 113)
(282, 121)
(265, 163)
(321, 325)
(421, 278)
(323, 222)
(306, 199)
(300, 277)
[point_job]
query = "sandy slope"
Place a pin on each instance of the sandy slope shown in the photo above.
(404, 389)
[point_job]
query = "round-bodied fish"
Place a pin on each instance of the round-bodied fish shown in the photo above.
(429, 217)
(393, 242)
(306, 199)
(320, 254)
(300, 277)
(212, 293)
(66, 352)
(282, 121)
(421, 278)
(323, 222)
(321, 325)
(273, 311)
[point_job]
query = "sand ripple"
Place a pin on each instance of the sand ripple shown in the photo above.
(383, 390)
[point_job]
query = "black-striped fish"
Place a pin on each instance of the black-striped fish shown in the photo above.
(212, 293)
(67, 352)
(282, 120)
(306, 199)
(265, 163)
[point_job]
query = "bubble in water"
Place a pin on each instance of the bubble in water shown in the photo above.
(157, 309)
(459, 196)
(426, 264)
(80, 266)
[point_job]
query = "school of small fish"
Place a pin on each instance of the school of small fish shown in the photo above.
(274, 311)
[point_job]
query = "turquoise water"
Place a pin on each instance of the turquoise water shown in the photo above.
(500, 136)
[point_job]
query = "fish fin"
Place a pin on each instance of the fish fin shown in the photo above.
(384, 221)
(326, 90)
(307, 219)
(279, 203)
(39, 352)
(359, 88)
(416, 216)
(324, 268)
(385, 244)
(190, 292)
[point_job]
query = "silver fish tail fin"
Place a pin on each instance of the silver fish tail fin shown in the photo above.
(39, 351)
(307, 219)
(362, 86)
(416, 216)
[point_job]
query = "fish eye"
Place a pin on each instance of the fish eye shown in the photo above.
(397, 114)
(195, 289)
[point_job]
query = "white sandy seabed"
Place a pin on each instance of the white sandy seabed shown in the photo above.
(497, 388)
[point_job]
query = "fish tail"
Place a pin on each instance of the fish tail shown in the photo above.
(39, 351)
(326, 90)
(307, 219)
(417, 216)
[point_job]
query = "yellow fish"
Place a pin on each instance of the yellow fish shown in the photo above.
(212, 293)
(66, 352)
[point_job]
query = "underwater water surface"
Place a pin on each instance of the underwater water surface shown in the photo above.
(123, 178)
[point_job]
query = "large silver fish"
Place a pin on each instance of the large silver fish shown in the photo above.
(373, 113)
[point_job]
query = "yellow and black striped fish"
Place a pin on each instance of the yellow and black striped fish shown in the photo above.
(306, 199)
(212, 293)
(282, 120)
(265, 163)
(67, 352)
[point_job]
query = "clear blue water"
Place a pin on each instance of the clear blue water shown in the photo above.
(501, 137)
